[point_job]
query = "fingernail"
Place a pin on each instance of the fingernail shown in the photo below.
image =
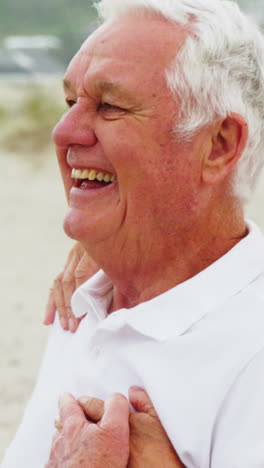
(83, 400)
(134, 387)
(72, 324)
(65, 398)
(63, 322)
(46, 323)
(118, 395)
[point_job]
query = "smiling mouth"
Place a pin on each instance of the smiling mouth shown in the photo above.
(91, 178)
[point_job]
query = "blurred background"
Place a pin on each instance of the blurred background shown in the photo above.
(37, 40)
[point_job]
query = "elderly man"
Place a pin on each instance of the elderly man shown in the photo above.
(159, 150)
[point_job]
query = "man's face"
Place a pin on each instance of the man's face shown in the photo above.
(119, 126)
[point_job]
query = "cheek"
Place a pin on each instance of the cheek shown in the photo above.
(176, 183)
(64, 169)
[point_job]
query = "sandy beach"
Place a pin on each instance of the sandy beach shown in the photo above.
(33, 249)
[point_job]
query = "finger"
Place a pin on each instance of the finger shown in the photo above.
(71, 421)
(56, 435)
(69, 284)
(68, 279)
(116, 414)
(86, 268)
(59, 294)
(92, 407)
(50, 309)
(57, 444)
(78, 251)
(140, 400)
(70, 411)
(74, 323)
(59, 301)
(82, 272)
(68, 290)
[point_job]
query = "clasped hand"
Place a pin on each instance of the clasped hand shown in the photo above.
(96, 434)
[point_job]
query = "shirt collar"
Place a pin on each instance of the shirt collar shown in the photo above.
(175, 311)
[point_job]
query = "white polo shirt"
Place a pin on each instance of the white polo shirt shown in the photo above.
(197, 349)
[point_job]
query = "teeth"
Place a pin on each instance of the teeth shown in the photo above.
(107, 178)
(100, 176)
(92, 174)
(78, 173)
(85, 174)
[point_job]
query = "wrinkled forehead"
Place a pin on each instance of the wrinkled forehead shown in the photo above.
(150, 43)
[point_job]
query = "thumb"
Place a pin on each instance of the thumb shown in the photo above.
(141, 402)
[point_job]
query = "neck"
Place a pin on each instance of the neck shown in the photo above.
(140, 274)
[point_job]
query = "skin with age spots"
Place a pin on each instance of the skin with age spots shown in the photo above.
(161, 222)
(116, 125)
(94, 434)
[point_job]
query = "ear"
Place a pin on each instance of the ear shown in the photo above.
(228, 138)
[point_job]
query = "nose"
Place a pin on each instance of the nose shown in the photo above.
(75, 128)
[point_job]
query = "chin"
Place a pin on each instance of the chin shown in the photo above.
(74, 225)
(86, 228)
(71, 230)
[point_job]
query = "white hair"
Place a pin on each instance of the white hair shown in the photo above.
(219, 70)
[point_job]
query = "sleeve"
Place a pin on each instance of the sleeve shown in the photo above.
(238, 436)
(31, 444)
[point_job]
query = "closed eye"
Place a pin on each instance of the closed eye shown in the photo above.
(109, 111)
(70, 102)
(105, 106)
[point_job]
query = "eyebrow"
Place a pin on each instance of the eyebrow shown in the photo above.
(111, 87)
(105, 86)
(102, 86)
